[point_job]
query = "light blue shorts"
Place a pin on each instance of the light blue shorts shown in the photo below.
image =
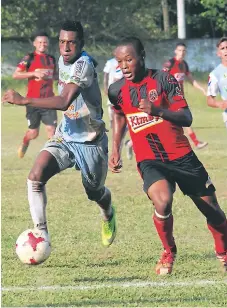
(91, 158)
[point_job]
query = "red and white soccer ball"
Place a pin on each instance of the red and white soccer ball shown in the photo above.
(33, 246)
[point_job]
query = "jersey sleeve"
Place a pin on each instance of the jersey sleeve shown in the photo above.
(82, 73)
(173, 92)
(115, 97)
(212, 89)
(107, 67)
(23, 64)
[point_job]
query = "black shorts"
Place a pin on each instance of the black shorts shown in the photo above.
(188, 172)
(36, 115)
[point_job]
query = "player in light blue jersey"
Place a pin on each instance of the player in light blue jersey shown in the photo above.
(80, 140)
(217, 82)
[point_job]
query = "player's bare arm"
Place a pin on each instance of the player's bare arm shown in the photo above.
(213, 102)
(119, 125)
(181, 117)
(105, 83)
(61, 102)
(23, 74)
(195, 83)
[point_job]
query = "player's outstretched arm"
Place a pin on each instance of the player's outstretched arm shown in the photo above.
(105, 83)
(23, 74)
(196, 84)
(119, 125)
(214, 103)
(61, 102)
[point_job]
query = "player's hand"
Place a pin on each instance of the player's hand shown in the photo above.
(13, 97)
(223, 105)
(40, 75)
(148, 107)
(115, 163)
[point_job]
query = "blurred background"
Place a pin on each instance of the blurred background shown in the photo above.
(156, 22)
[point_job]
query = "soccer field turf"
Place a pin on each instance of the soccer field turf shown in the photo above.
(80, 272)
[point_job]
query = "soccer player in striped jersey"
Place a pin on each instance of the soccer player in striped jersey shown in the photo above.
(179, 68)
(152, 103)
(39, 68)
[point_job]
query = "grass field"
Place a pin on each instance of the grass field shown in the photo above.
(80, 272)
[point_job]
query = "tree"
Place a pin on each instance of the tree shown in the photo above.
(103, 20)
(216, 11)
(165, 12)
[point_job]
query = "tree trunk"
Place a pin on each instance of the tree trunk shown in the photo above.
(165, 12)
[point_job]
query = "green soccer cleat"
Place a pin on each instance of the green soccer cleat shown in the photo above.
(109, 230)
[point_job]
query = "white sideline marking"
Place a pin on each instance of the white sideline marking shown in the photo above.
(117, 285)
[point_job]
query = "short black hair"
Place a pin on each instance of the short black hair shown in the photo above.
(39, 33)
(181, 44)
(223, 39)
(135, 42)
(75, 26)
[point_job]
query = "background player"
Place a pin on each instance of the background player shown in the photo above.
(112, 73)
(80, 139)
(40, 70)
(179, 68)
(155, 110)
(218, 81)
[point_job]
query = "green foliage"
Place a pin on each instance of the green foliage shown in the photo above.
(216, 10)
(21, 18)
(106, 21)
(8, 82)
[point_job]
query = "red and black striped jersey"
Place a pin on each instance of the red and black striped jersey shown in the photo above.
(39, 62)
(179, 69)
(152, 136)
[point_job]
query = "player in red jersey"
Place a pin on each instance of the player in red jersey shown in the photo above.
(178, 67)
(40, 70)
(152, 103)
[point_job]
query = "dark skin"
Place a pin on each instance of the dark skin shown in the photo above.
(160, 193)
(70, 47)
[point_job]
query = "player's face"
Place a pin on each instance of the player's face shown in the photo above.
(222, 51)
(131, 64)
(180, 52)
(69, 45)
(41, 44)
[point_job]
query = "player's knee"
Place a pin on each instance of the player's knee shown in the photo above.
(35, 174)
(95, 195)
(33, 134)
(162, 202)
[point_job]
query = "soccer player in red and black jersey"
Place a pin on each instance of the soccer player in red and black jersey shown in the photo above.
(179, 68)
(152, 103)
(40, 70)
